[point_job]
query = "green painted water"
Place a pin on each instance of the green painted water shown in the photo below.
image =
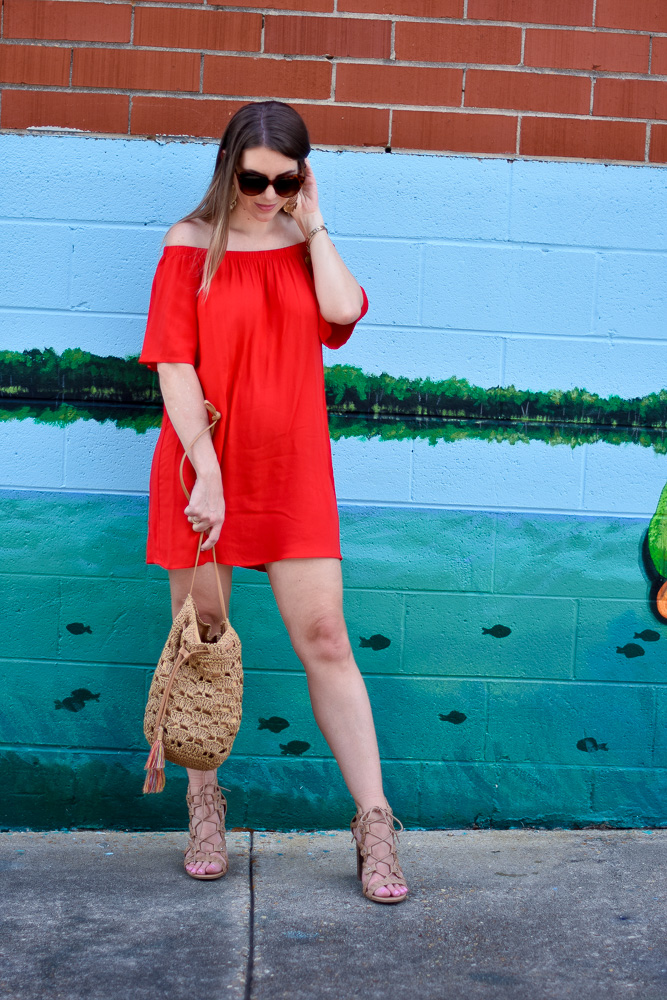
(540, 721)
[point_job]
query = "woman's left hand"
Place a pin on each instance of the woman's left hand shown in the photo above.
(307, 202)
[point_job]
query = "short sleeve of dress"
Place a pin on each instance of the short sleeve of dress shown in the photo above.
(171, 327)
(334, 335)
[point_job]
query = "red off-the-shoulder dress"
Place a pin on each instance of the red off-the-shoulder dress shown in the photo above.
(256, 345)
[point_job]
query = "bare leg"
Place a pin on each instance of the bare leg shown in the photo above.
(205, 594)
(309, 593)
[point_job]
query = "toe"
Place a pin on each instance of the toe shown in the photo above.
(397, 890)
(382, 890)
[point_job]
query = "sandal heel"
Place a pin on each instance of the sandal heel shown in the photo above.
(210, 796)
(367, 860)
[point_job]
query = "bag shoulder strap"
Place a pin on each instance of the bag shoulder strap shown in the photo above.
(215, 417)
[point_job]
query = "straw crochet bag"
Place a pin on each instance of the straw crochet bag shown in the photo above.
(193, 711)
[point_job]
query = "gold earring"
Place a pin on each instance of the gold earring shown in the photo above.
(232, 204)
(290, 206)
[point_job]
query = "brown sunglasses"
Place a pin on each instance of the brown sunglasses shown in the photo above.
(285, 186)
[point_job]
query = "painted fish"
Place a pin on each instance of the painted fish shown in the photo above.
(294, 748)
(630, 649)
(77, 700)
(375, 642)
(456, 717)
(499, 631)
(275, 724)
(71, 704)
(648, 635)
(590, 745)
(83, 694)
(78, 628)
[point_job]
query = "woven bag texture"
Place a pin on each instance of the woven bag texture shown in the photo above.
(203, 710)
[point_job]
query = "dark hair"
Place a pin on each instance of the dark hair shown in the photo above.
(271, 124)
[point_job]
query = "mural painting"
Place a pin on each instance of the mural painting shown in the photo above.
(505, 570)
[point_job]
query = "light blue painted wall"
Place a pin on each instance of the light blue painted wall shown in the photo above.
(545, 275)
(532, 476)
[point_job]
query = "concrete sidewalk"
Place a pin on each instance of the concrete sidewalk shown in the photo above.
(501, 914)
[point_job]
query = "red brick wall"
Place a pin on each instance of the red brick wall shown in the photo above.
(552, 78)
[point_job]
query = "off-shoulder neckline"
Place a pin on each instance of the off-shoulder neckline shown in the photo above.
(246, 253)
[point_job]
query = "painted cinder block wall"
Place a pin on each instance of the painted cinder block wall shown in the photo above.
(494, 267)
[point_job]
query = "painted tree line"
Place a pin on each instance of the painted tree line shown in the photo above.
(77, 375)
(356, 425)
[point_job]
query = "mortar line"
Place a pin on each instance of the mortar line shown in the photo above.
(330, 759)
(361, 16)
(486, 723)
(404, 604)
(654, 733)
(251, 922)
(594, 299)
(494, 545)
(351, 502)
(431, 241)
(582, 475)
(164, 138)
(510, 189)
(370, 61)
(248, 584)
(420, 284)
(349, 16)
(575, 637)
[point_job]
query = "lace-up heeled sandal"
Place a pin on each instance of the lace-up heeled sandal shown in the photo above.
(367, 857)
(209, 851)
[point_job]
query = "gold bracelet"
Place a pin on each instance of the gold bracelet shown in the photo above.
(312, 233)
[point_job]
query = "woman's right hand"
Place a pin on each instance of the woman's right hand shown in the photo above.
(206, 508)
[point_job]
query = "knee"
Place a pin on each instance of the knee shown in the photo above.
(325, 639)
(208, 608)
(211, 616)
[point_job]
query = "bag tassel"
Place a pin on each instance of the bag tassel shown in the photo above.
(155, 766)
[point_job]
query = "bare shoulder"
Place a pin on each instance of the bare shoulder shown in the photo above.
(193, 233)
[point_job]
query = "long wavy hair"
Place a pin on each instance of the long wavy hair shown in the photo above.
(272, 124)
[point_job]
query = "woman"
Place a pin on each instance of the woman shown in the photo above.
(248, 288)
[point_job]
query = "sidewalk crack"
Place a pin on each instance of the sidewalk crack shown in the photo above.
(251, 921)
